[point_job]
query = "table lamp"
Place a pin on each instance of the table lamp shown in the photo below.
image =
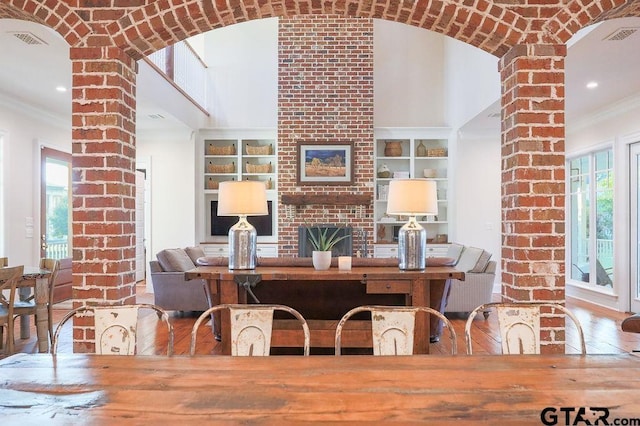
(412, 197)
(242, 198)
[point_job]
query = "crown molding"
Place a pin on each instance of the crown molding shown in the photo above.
(55, 120)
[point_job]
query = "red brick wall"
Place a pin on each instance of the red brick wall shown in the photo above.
(325, 95)
(103, 130)
(533, 173)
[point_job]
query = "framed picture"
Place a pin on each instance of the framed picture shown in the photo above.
(325, 164)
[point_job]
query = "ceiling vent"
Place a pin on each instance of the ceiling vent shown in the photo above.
(494, 115)
(28, 38)
(621, 34)
(156, 116)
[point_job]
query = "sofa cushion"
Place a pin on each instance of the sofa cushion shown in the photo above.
(194, 253)
(175, 260)
(212, 261)
(482, 262)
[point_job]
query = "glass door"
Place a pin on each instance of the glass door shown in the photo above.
(634, 202)
(55, 214)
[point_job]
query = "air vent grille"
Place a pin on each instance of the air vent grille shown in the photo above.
(621, 34)
(28, 38)
(156, 116)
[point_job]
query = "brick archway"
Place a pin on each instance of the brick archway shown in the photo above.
(106, 41)
(493, 29)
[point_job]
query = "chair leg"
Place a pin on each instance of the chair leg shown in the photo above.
(50, 315)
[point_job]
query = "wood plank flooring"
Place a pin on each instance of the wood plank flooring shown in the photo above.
(601, 327)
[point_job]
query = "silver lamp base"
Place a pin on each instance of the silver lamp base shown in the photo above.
(412, 246)
(243, 239)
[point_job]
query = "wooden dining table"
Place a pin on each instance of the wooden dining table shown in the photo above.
(478, 389)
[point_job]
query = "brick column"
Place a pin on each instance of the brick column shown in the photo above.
(533, 173)
(103, 167)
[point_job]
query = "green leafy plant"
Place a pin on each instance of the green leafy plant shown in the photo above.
(321, 241)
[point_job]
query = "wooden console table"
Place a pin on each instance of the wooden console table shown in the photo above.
(322, 297)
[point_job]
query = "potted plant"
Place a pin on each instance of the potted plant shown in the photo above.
(322, 243)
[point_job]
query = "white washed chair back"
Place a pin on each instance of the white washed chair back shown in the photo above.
(392, 332)
(519, 329)
(251, 331)
(116, 330)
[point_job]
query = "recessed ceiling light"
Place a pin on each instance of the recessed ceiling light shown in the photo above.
(61, 89)
(592, 85)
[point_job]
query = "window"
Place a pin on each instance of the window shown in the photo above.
(591, 218)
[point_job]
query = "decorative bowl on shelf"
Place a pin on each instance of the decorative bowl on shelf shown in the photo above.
(429, 173)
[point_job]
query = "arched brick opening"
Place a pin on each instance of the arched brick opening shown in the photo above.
(493, 28)
(529, 39)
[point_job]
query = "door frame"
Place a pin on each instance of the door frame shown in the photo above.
(633, 290)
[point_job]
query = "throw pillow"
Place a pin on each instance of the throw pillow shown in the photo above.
(175, 260)
(482, 262)
(469, 258)
(194, 253)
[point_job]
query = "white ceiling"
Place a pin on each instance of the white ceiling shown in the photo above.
(30, 73)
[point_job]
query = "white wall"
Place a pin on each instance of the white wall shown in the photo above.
(472, 81)
(25, 130)
(408, 76)
(243, 66)
(477, 198)
(171, 155)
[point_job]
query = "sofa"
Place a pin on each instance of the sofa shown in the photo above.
(480, 274)
(170, 289)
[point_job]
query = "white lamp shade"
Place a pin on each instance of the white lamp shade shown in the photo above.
(238, 198)
(411, 197)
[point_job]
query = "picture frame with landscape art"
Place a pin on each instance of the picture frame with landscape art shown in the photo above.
(325, 163)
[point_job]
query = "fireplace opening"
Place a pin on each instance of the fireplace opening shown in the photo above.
(342, 248)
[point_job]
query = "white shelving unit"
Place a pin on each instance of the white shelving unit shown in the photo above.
(421, 149)
(233, 155)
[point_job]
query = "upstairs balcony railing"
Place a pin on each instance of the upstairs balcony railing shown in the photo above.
(184, 69)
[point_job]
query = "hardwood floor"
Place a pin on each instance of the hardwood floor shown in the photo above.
(601, 328)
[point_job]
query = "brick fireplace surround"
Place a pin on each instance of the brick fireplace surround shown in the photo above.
(326, 93)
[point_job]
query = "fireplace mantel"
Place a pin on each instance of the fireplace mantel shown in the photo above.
(327, 199)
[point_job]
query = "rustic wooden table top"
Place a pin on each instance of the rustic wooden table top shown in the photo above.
(308, 273)
(494, 389)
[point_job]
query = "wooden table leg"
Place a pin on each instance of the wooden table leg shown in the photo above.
(42, 314)
(228, 295)
(421, 296)
(24, 293)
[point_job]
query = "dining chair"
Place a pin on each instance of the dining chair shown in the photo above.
(392, 328)
(251, 327)
(9, 278)
(116, 327)
(4, 262)
(519, 325)
(53, 265)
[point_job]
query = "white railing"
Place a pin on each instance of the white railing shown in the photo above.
(57, 249)
(182, 66)
(604, 253)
